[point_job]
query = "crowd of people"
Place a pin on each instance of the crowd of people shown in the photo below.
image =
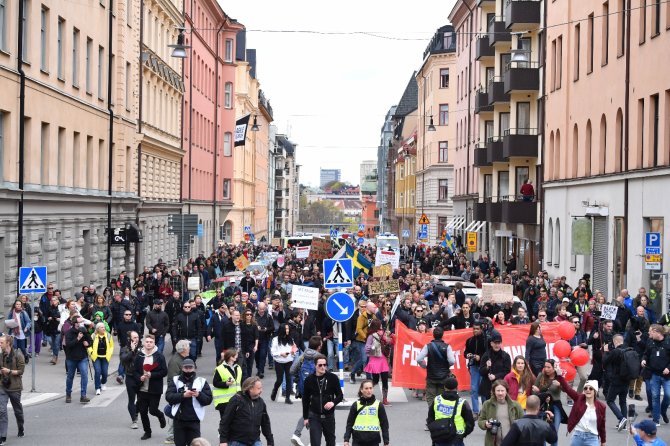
(255, 327)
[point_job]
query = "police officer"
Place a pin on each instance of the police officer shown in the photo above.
(448, 405)
(367, 418)
(227, 380)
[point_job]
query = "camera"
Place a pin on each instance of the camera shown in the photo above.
(6, 382)
(543, 416)
(495, 425)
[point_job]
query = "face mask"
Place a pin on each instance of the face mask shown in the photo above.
(188, 375)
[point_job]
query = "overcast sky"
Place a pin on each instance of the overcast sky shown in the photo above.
(330, 93)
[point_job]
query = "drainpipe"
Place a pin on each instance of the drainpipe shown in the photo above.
(626, 124)
(540, 169)
(216, 128)
(139, 131)
(469, 121)
(110, 145)
(22, 118)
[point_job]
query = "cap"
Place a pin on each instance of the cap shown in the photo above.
(495, 337)
(232, 280)
(565, 299)
(277, 293)
(451, 384)
(516, 299)
(188, 362)
(158, 301)
(78, 295)
(592, 383)
(647, 426)
(306, 268)
(421, 322)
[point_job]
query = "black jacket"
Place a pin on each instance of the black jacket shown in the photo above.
(530, 431)
(657, 355)
(74, 348)
(186, 411)
(244, 419)
(157, 374)
(158, 320)
(466, 413)
(315, 397)
(612, 364)
(188, 326)
(117, 309)
(127, 359)
(438, 367)
(123, 328)
(367, 437)
(216, 323)
(501, 364)
(475, 345)
(265, 326)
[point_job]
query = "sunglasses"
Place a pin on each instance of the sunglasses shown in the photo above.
(127, 314)
(321, 365)
(541, 315)
(589, 388)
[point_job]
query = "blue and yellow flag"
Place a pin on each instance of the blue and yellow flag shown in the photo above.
(360, 262)
(448, 243)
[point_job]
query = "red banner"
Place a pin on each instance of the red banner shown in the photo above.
(408, 345)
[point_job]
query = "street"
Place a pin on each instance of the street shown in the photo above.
(105, 420)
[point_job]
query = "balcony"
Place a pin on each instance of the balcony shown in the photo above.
(522, 14)
(486, 2)
(498, 33)
(279, 172)
(278, 194)
(480, 212)
(494, 150)
(482, 102)
(493, 211)
(519, 212)
(521, 77)
(484, 49)
(481, 158)
(520, 143)
(496, 91)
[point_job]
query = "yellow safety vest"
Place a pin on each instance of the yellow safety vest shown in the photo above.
(222, 396)
(445, 409)
(367, 419)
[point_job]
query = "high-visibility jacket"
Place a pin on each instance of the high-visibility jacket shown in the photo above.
(367, 419)
(445, 409)
(222, 396)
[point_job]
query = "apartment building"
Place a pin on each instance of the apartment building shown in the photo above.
(67, 89)
(385, 142)
(436, 94)
(287, 188)
(607, 143)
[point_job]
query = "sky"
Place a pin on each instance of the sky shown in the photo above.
(330, 92)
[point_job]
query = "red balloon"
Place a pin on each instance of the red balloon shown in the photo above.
(566, 330)
(579, 357)
(562, 349)
(568, 371)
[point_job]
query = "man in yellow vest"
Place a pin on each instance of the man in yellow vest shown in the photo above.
(450, 418)
(227, 380)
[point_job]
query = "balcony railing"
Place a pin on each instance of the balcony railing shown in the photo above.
(520, 142)
(482, 102)
(481, 157)
(494, 153)
(522, 14)
(520, 77)
(508, 209)
(484, 48)
(496, 91)
(498, 32)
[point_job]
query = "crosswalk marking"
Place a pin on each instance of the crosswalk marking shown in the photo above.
(106, 398)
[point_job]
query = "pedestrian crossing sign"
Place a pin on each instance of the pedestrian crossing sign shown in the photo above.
(338, 273)
(33, 279)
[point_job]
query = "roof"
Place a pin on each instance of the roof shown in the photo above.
(410, 98)
(286, 144)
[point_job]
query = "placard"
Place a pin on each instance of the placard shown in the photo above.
(497, 293)
(608, 312)
(321, 249)
(305, 297)
(391, 257)
(383, 287)
(193, 283)
(382, 271)
(241, 263)
(302, 252)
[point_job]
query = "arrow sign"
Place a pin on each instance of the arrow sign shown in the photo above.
(340, 307)
(343, 310)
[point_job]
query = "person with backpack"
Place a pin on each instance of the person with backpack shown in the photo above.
(300, 370)
(440, 358)
(283, 351)
(621, 364)
(450, 418)
(367, 422)
(378, 365)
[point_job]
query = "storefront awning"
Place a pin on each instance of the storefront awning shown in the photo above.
(454, 222)
(475, 226)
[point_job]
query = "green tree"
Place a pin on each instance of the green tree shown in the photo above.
(323, 211)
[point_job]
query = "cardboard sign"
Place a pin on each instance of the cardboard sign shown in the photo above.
(241, 263)
(305, 297)
(497, 292)
(382, 271)
(384, 257)
(193, 283)
(609, 312)
(321, 249)
(302, 252)
(384, 287)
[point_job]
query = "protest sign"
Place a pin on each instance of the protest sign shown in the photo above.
(302, 252)
(241, 263)
(383, 287)
(384, 257)
(497, 293)
(382, 271)
(321, 249)
(305, 297)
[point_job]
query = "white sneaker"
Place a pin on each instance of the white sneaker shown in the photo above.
(295, 441)
(97, 391)
(104, 387)
(134, 425)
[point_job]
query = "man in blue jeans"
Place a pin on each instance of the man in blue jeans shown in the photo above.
(475, 347)
(367, 312)
(77, 341)
(656, 359)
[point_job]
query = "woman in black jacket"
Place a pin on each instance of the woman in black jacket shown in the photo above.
(536, 349)
(246, 416)
(249, 332)
(366, 399)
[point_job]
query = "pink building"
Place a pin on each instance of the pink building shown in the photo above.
(208, 117)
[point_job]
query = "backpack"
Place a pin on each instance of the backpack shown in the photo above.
(629, 368)
(307, 367)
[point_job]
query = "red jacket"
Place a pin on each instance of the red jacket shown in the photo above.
(579, 408)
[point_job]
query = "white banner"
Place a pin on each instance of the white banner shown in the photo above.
(305, 297)
(302, 252)
(391, 257)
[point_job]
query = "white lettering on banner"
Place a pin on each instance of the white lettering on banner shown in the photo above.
(240, 131)
(391, 257)
(305, 297)
(410, 352)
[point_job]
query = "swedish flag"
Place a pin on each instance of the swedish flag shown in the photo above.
(448, 243)
(359, 261)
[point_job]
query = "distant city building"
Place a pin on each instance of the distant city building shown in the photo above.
(383, 172)
(366, 169)
(328, 175)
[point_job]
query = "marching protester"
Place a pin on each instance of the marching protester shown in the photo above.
(549, 388)
(322, 394)
(158, 323)
(227, 380)
(536, 348)
(498, 413)
(520, 381)
(367, 422)
(587, 416)
(378, 365)
(183, 348)
(150, 369)
(246, 417)
(436, 357)
(101, 351)
(450, 418)
(12, 366)
(127, 358)
(475, 347)
(283, 351)
(77, 341)
(532, 429)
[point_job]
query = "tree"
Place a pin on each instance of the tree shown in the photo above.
(323, 211)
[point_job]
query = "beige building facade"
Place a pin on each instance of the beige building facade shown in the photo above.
(70, 57)
(607, 143)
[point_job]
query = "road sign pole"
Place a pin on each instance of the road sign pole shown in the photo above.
(340, 354)
(32, 341)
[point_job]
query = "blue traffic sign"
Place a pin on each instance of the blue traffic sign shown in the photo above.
(33, 279)
(340, 307)
(247, 229)
(422, 235)
(423, 228)
(405, 233)
(333, 233)
(652, 240)
(361, 240)
(361, 227)
(339, 273)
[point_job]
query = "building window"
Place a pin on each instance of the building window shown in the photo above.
(44, 22)
(226, 189)
(60, 47)
(621, 28)
(227, 144)
(101, 58)
(89, 50)
(576, 54)
(589, 55)
(656, 18)
(444, 114)
(229, 50)
(2, 143)
(559, 62)
(443, 152)
(75, 58)
(129, 14)
(444, 77)
(643, 21)
(442, 190)
(655, 109)
(44, 154)
(228, 95)
(3, 24)
(26, 30)
(606, 34)
(128, 86)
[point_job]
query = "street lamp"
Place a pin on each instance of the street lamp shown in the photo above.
(520, 54)
(179, 49)
(431, 126)
(255, 127)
